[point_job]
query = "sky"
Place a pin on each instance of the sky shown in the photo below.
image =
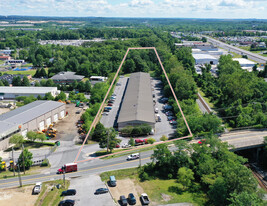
(232, 9)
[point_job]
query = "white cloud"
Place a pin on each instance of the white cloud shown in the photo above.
(140, 3)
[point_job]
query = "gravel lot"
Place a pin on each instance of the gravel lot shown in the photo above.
(86, 187)
(66, 128)
(18, 196)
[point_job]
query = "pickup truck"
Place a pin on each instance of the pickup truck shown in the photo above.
(144, 199)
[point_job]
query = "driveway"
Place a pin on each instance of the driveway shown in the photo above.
(85, 187)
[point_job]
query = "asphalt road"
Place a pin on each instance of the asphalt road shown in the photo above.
(253, 56)
(86, 168)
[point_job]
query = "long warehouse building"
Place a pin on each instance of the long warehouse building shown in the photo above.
(137, 107)
(32, 117)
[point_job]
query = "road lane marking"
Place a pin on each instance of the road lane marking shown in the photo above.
(80, 171)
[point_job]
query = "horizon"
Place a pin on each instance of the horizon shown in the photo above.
(202, 9)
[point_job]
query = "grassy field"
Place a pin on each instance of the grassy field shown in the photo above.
(33, 145)
(50, 195)
(33, 170)
(28, 72)
(158, 188)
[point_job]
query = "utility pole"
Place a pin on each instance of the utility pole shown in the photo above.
(108, 140)
(140, 159)
(64, 177)
(20, 183)
(23, 158)
(13, 161)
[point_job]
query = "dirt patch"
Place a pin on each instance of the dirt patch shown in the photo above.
(4, 110)
(124, 187)
(66, 128)
(165, 197)
(17, 196)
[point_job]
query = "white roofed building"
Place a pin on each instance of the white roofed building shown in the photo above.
(205, 59)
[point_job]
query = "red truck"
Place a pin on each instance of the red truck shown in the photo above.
(140, 141)
(70, 167)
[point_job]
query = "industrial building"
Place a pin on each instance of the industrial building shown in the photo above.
(13, 92)
(205, 59)
(137, 105)
(35, 116)
(244, 62)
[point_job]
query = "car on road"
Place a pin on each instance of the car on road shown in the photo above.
(133, 156)
(37, 188)
(67, 203)
(101, 191)
(68, 192)
(131, 199)
(123, 200)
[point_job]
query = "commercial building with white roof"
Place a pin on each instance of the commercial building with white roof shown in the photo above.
(13, 92)
(205, 59)
(244, 62)
(35, 116)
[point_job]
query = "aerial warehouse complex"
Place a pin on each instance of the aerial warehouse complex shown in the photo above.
(137, 106)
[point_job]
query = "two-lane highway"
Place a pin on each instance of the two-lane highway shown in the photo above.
(253, 56)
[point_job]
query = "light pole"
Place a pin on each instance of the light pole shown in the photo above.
(13, 161)
(23, 158)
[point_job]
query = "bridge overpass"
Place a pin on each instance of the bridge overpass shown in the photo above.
(242, 140)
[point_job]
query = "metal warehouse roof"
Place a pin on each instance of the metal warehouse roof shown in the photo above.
(244, 61)
(67, 76)
(138, 103)
(29, 112)
(27, 90)
(203, 56)
(7, 128)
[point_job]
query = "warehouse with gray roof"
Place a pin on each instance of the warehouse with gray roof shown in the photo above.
(137, 106)
(35, 116)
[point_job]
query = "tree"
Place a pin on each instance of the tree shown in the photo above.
(1, 83)
(16, 81)
(50, 83)
(245, 199)
(185, 177)
(109, 140)
(163, 138)
(218, 192)
(151, 140)
(99, 132)
(131, 142)
(87, 86)
(27, 156)
(41, 137)
(42, 73)
(48, 96)
(17, 139)
(62, 96)
(25, 81)
(31, 135)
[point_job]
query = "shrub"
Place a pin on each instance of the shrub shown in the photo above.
(45, 163)
(163, 138)
(144, 176)
(151, 140)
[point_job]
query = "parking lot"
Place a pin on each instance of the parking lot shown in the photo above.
(85, 188)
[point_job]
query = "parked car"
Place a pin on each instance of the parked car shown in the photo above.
(113, 95)
(144, 199)
(131, 199)
(164, 100)
(152, 132)
(107, 108)
(156, 110)
(110, 104)
(133, 156)
(173, 122)
(117, 146)
(37, 188)
(101, 191)
(111, 101)
(170, 118)
(158, 118)
(105, 113)
(123, 200)
(67, 203)
(112, 181)
(169, 113)
(68, 192)
(125, 145)
(118, 84)
(167, 107)
(140, 141)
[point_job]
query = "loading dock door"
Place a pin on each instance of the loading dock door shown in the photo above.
(24, 133)
(48, 121)
(41, 125)
(62, 114)
(55, 117)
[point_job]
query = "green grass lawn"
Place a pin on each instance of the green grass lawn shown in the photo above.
(156, 188)
(49, 196)
(32, 145)
(28, 72)
(33, 170)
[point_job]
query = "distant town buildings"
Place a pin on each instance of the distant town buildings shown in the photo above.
(77, 42)
(245, 63)
(9, 77)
